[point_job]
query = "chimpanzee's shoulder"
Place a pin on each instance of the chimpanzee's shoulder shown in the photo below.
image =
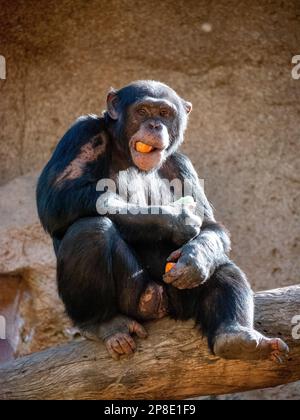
(80, 132)
(181, 164)
(180, 158)
(88, 123)
(85, 129)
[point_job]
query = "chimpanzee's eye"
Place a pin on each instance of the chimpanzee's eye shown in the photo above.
(142, 112)
(164, 113)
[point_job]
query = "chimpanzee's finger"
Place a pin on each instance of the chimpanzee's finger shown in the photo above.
(138, 329)
(111, 350)
(124, 344)
(131, 342)
(175, 255)
(116, 345)
(176, 272)
(183, 282)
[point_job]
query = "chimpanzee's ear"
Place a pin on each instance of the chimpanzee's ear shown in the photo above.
(112, 104)
(188, 106)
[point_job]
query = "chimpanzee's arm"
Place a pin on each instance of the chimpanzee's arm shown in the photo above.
(150, 223)
(198, 259)
(67, 190)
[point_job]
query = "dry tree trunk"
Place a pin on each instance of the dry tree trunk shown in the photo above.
(173, 363)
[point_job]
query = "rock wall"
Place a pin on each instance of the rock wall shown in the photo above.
(35, 317)
(231, 59)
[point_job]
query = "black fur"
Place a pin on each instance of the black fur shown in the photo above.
(105, 262)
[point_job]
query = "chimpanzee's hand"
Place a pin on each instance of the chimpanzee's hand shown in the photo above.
(187, 225)
(192, 267)
(183, 233)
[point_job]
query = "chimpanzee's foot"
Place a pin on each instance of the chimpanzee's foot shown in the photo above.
(116, 335)
(153, 302)
(248, 344)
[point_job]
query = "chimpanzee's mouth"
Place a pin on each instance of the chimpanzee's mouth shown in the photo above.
(146, 155)
(146, 148)
(142, 147)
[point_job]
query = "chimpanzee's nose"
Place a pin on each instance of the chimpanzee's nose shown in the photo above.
(155, 125)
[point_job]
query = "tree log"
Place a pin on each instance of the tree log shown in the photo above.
(173, 363)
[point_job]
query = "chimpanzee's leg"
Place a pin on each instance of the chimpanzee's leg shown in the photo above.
(225, 314)
(100, 278)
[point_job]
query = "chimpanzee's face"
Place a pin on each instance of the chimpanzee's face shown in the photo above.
(151, 123)
(152, 118)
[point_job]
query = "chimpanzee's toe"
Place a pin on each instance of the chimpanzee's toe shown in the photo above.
(120, 344)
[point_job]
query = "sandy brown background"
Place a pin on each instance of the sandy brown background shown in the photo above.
(243, 137)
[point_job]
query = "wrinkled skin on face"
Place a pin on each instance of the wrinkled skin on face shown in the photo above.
(152, 119)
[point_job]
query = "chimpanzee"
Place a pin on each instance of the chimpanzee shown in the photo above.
(111, 251)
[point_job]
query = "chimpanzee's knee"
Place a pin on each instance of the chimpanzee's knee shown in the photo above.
(84, 271)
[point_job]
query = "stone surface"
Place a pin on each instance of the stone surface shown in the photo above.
(231, 59)
(244, 131)
(29, 301)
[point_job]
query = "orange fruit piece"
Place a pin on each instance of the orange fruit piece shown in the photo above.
(143, 147)
(169, 266)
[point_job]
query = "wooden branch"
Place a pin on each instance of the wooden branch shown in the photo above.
(173, 363)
